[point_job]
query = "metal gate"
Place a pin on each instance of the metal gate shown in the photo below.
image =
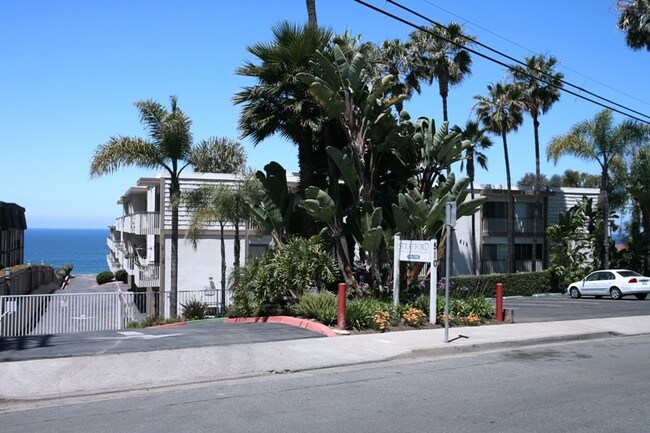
(65, 313)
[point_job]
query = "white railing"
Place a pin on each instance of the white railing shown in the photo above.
(146, 223)
(210, 297)
(65, 313)
(147, 275)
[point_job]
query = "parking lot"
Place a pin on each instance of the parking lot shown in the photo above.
(561, 307)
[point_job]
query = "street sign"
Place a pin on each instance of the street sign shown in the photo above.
(416, 251)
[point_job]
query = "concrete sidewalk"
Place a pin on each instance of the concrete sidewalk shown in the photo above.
(89, 375)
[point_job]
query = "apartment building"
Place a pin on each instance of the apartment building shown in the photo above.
(490, 228)
(140, 243)
(12, 234)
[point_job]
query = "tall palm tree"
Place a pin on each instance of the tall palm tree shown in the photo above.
(394, 57)
(311, 13)
(541, 87)
(599, 140)
(500, 112)
(208, 205)
(474, 154)
(279, 103)
(168, 147)
(439, 54)
(218, 155)
(635, 22)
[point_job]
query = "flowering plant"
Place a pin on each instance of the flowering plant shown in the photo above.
(413, 316)
(381, 320)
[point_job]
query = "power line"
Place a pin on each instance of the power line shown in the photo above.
(533, 52)
(505, 65)
(502, 54)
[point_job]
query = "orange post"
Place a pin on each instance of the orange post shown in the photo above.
(340, 324)
(499, 306)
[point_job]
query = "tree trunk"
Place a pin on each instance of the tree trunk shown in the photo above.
(510, 207)
(645, 218)
(604, 192)
(473, 238)
(537, 187)
(223, 268)
(311, 13)
(174, 195)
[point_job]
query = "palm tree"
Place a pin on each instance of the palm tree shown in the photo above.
(393, 57)
(279, 103)
(599, 140)
(311, 13)
(208, 205)
(635, 22)
(439, 54)
(541, 87)
(218, 155)
(168, 147)
(501, 112)
(476, 135)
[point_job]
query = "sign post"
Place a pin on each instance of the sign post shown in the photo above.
(416, 251)
(450, 222)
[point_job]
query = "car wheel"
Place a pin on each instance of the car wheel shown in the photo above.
(641, 296)
(615, 293)
(574, 292)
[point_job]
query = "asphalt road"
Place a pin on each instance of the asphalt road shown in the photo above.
(216, 333)
(554, 308)
(585, 387)
(194, 334)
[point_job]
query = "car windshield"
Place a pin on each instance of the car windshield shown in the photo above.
(626, 274)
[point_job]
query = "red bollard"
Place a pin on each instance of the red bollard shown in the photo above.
(499, 306)
(340, 324)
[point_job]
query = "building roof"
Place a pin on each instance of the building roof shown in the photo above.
(12, 216)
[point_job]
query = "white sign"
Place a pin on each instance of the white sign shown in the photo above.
(417, 251)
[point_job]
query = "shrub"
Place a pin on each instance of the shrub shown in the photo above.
(360, 312)
(121, 275)
(276, 281)
(381, 320)
(482, 286)
(152, 321)
(194, 310)
(413, 317)
(321, 306)
(105, 277)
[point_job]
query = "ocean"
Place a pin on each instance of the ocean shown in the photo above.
(86, 249)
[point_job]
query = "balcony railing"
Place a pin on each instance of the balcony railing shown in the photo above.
(499, 266)
(521, 225)
(147, 276)
(140, 223)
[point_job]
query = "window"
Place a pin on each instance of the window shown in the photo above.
(495, 209)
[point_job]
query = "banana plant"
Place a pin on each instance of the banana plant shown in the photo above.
(276, 205)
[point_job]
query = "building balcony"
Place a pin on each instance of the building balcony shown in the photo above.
(520, 225)
(499, 266)
(140, 223)
(147, 275)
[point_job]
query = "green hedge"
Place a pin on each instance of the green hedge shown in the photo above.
(521, 283)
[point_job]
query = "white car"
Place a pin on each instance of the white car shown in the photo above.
(615, 283)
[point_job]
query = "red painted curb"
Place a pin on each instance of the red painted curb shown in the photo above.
(287, 320)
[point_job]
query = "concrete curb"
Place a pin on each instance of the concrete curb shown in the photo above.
(287, 320)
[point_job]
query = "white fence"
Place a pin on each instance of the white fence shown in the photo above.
(63, 313)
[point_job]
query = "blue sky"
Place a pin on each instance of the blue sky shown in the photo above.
(72, 69)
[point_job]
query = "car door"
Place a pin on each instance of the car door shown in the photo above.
(604, 282)
(592, 283)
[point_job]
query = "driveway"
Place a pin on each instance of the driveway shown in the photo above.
(194, 334)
